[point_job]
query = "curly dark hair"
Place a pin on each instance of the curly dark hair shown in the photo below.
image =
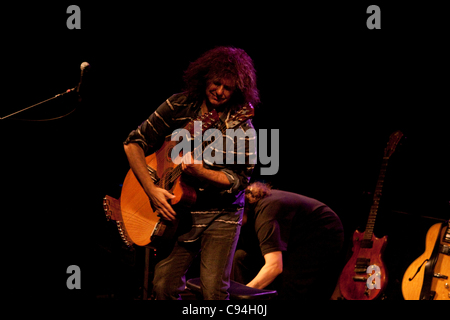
(223, 63)
(258, 190)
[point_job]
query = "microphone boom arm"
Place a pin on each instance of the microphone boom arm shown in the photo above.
(57, 96)
(84, 67)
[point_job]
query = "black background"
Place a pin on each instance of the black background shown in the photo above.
(333, 88)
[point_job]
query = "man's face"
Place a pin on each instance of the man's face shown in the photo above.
(219, 92)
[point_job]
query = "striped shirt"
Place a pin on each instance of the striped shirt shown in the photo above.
(213, 203)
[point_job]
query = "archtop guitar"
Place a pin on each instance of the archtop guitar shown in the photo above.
(427, 277)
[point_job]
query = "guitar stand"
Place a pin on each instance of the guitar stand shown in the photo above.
(112, 209)
(150, 253)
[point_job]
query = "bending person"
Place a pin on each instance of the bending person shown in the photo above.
(290, 243)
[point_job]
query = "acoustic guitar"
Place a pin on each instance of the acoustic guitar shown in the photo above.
(364, 276)
(136, 220)
(427, 277)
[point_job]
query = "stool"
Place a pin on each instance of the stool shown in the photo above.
(237, 291)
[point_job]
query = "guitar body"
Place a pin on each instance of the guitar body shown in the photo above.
(413, 279)
(137, 213)
(353, 279)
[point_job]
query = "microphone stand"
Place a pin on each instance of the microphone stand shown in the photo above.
(57, 96)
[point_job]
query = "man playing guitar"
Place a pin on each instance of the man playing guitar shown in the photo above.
(222, 79)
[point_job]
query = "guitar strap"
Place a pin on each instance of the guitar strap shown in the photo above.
(426, 293)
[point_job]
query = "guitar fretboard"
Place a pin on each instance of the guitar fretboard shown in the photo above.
(376, 201)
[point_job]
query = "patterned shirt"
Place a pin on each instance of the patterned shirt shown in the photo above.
(213, 203)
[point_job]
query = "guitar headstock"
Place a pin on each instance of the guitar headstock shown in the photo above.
(394, 139)
(245, 113)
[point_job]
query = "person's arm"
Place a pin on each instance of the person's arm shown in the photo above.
(216, 178)
(157, 196)
(272, 268)
(147, 139)
(230, 178)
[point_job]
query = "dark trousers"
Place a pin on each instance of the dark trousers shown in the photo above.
(217, 244)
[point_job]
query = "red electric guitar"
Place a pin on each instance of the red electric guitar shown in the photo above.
(364, 277)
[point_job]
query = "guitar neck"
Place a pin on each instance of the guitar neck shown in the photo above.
(177, 171)
(196, 154)
(376, 201)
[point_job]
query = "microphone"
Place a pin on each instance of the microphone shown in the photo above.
(84, 69)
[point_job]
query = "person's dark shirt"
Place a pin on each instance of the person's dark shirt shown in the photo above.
(278, 215)
(307, 232)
